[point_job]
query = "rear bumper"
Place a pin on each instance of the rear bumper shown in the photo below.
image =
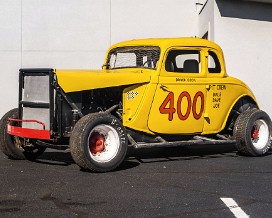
(27, 132)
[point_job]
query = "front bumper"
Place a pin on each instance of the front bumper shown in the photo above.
(27, 132)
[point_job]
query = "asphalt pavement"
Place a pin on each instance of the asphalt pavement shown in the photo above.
(196, 181)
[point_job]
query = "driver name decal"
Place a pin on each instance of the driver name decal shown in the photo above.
(217, 94)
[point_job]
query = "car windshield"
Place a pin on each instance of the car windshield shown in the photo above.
(133, 57)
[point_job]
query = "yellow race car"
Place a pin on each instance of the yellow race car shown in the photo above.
(150, 93)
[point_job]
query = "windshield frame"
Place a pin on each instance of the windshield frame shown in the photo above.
(141, 52)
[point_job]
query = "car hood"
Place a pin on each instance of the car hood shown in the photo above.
(79, 80)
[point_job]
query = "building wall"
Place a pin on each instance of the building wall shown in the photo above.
(243, 29)
(206, 20)
(76, 34)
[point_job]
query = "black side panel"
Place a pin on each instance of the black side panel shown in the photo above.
(31, 103)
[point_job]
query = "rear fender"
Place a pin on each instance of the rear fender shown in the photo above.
(239, 106)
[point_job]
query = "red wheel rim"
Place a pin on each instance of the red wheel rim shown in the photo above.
(96, 143)
(254, 133)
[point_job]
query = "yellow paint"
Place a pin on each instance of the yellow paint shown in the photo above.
(221, 97)
(79, 80)
(160, 122)
(132, 99)
(220, 92)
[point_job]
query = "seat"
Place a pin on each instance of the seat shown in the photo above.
(191, 66)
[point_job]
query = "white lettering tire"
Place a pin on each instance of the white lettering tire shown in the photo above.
(252, 132)
(98, 142)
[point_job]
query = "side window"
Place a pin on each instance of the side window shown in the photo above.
(183, 61)
(213, 63)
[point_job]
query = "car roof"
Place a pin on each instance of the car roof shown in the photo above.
(165, 43)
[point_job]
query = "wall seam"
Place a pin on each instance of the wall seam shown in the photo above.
(110, 22)
(21, 33)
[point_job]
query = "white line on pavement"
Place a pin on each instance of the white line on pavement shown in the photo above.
(234, 208)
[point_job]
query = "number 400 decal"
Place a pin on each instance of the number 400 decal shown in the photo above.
(170, 110)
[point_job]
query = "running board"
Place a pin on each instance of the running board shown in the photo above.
(49, 145)
(197, 140)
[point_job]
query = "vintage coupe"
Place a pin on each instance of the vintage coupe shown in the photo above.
(150, 93)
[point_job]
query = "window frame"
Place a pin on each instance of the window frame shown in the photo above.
(132, 48)
(221, 62)
(216, 61)
(201, 73)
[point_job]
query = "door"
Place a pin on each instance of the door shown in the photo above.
(179, 102)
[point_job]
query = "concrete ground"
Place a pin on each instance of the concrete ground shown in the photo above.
(198, 181)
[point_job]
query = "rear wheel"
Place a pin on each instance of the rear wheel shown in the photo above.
(252, 132)
(98, 142)
(15, 147)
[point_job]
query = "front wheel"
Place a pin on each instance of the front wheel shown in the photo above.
(252, 132)
(98, 142)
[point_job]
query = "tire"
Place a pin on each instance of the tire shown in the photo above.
(13, 146)
(252, 132)
(98, 142)
(241, 106)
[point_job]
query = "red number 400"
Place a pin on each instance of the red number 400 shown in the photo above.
(170, 110)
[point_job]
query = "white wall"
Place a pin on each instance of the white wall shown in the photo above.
(77, 33)
(152, 18)
(243, 29)
(206, 20)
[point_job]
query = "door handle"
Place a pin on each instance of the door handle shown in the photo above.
(164, 88)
